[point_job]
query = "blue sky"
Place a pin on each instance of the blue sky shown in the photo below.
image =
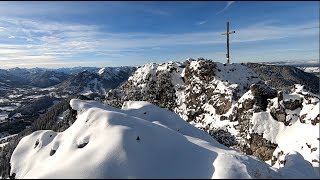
(117, 33)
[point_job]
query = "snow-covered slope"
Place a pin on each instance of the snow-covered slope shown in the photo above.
(232, 104)
(140, 140)
(300, 129)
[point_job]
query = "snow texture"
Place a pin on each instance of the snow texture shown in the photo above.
(199, 100)
(140, 140)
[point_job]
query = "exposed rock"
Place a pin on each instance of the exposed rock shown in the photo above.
(263, 90)
(223, 107)
(260, 147)
(292, 105)
(278, 114)
(248, 104)
(83, 97)
(280, 95)
(316, 120)
(207, 94)
(224, 137)
(158, 88)
(262, 93)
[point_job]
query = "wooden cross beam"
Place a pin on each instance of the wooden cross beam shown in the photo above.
(227, 33)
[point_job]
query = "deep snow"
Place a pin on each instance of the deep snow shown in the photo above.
(140, 140)
(232, 80)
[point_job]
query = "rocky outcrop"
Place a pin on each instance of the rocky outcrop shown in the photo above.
(262, 93)
(292, 104)
(154, 85)
(223, 137)
(260, 147)
(197, 79)
(278, 113)
(217, 98)
(256, 100)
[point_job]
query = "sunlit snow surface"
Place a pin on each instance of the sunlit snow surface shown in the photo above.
(140, 140)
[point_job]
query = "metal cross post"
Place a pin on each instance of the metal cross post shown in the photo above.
(227, 33)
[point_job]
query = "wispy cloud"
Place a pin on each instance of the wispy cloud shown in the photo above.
(51, 64)
(202, 22)
(229, 3)
(41, 42)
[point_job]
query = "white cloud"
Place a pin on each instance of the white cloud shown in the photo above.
(27, 57)
(202, 22)
(11, 51)
(52, 42)
(267, 31)
(226, 7)
(52, 64)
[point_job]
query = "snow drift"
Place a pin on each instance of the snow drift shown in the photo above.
(140, 140)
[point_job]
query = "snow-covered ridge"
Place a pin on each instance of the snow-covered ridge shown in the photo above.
(140, 140)
(197, 84)
(233, 104)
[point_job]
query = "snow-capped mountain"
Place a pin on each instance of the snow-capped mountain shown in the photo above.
(140, 140)
(234, 104)
(42, 77)
(97, 81)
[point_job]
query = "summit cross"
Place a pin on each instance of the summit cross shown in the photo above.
(227, 33)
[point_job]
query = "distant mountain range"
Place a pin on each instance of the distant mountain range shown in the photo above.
(96, 80)
(295, 63)
(42, 77)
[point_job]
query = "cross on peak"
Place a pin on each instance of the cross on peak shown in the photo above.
(227, 33)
